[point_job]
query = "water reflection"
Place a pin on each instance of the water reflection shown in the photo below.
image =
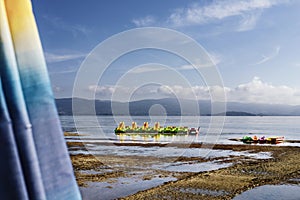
(157, 138)
(270, 192)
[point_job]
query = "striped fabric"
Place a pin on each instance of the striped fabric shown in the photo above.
(34, 160)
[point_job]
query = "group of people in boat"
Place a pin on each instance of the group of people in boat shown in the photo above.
(155, 129)
(262, 140)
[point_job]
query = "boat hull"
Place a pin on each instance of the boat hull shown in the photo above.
(269, 140)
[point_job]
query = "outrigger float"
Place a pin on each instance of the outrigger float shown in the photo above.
(156, 129)
(262, 140)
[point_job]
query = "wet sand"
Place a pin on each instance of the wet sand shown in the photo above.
(242, 174)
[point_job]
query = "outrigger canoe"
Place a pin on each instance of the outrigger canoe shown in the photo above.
(262, 140)
(156, 129)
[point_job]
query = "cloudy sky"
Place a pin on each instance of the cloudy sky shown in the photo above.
(254, 44)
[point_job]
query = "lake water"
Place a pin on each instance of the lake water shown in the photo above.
(272, 192)
(98, 135)
(213, 129)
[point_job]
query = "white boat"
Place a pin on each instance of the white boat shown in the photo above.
(194, 131)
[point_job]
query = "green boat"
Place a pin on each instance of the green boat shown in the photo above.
(146, 130)
(262, 140)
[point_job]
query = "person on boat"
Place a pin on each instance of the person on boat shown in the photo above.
(255, 139)
(156, 126)
(133, 125)
(145, 126)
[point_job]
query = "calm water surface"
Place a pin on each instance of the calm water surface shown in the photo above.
(102, 127)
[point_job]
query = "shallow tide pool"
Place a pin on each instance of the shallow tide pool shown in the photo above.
(272, 192)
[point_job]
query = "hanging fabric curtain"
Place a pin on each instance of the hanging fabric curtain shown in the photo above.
(34, 160)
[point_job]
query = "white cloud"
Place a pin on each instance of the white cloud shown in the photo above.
(215, 60)
(255, 91)
(145, 69)
(194, 92)
(146, 21)
(53, 73)
(249, 21)
(269, 57)
(186, 67)
(258, 91)
(75, 29)
(55, 57)
(246, 12)
(102, 90)
(218, 10)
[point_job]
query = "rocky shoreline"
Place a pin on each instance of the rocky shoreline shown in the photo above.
(242, 172)
(229, 182)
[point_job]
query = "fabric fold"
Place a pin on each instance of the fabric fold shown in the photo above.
(12, 184)
(12, 95)
(39, 143)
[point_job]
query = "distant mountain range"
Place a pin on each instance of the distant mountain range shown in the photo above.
(171, 107)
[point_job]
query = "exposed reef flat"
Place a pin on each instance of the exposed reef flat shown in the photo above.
(152, 177)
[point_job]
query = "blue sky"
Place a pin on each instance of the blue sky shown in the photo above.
(254, 43)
